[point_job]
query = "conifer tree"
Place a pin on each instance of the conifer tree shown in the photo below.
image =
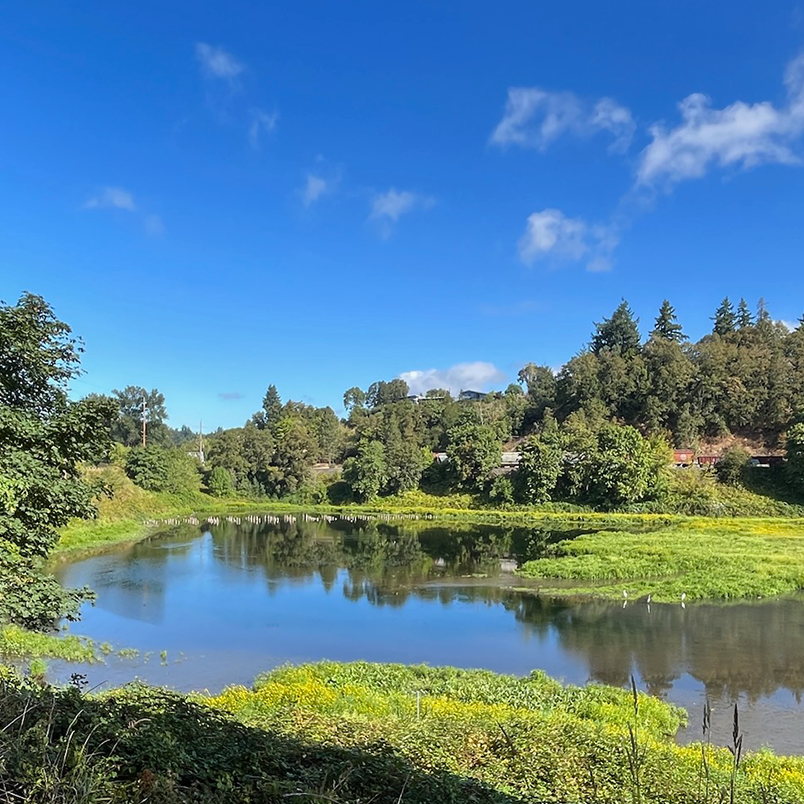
(724, 318)
(744, 319)
(667, 326)
(619, 333)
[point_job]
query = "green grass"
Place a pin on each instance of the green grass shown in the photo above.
(699, 558)
(18, 643)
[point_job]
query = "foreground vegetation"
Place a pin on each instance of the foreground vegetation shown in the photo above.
(359, 732)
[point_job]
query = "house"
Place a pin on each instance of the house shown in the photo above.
(471, 396)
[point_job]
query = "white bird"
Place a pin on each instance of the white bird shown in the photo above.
(649, 598)
(625, 594)
(683, 596)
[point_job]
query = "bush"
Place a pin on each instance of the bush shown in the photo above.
(154, 468)
(220, 482)
(731, 467)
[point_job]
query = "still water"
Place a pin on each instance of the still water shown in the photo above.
(228, 601)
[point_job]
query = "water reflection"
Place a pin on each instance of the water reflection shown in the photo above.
(247, 597)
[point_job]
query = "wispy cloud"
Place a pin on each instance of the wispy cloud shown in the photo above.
(535, 118)
(314, 188)
(388, 207)
(229, 396)
(112, 198)
(742, 135)
(477, 376)
(551, 235)
(118, 198)
(217, 63)
(261, 122)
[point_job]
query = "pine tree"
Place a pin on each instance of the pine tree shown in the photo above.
(744, 319)
(272, 406)
(724, 318)
(619, 333)
(667, 327)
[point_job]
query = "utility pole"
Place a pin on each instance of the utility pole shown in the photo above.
(143, 421)
(201, 442)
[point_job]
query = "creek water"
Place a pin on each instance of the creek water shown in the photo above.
(229, 601)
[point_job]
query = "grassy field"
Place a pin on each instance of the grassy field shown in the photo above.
(385, 734)
(719, 559)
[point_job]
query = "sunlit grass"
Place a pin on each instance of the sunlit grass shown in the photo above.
(696, 558)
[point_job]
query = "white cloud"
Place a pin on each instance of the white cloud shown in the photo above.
(475, 376)
(314, 188)
(550, 234)
(741, 135)
(534, 118)
(216, 62)
(261, 121)
(388, 207)
(112, 198)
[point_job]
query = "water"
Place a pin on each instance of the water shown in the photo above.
(230, 601)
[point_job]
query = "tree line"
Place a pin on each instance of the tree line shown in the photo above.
(598, 431)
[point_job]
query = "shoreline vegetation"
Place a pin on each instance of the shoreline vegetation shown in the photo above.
(630, 555)
(372, 732)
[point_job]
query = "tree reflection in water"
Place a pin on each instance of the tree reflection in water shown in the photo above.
(751, 649)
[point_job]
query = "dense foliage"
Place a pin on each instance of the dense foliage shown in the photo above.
(44, 437)
(360, 732)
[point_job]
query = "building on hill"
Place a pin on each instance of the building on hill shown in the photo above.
(471, 396)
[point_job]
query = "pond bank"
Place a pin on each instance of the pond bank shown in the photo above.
(374, 732)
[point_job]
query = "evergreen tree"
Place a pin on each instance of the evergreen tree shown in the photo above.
(620, 333)
(744, 319)
(724, 318)
(272, 405)
(667, 326)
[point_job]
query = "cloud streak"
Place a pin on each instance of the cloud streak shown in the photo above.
(475, 376)
(112, 198)
(536, 118)
(261, 122)
(118, 198)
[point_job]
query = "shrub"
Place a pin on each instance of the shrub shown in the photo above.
(731, 467)
(220, 482)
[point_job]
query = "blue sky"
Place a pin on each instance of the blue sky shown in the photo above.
(320, 195)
